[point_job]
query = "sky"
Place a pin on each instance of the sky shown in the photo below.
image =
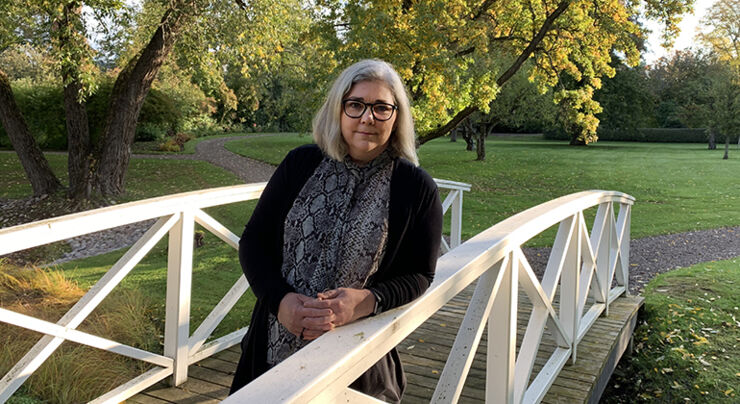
(688, 26)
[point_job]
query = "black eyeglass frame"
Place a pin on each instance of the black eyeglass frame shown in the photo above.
(372, 109)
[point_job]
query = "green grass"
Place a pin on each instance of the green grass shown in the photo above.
(270, 149)
(216, 265)
(687, 342)
(678, 187)
(152, 147)
(146, 178)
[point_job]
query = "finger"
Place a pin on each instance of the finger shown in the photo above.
(310, 335)
(319, 323)
(303, 298)
(329, 294)
(309, 312)
(316, 304)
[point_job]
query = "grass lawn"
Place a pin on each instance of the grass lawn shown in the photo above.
(678, 187)
(687, 344)
(216, 265)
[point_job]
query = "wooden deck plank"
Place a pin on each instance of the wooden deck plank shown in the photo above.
(425, 352)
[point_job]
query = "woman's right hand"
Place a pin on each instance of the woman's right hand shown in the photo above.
(309, 323)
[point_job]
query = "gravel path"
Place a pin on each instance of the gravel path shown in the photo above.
(649, 256)
(212, 151)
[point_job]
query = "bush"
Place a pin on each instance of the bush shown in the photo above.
(176, 143)
(42, 106)
(665, 135)
(147, 132)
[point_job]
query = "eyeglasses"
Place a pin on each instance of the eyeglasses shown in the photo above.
(381, 111)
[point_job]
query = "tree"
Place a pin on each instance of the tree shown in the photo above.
(723, 22)
(626, 99)
(520, 106)
(249, 34)
(42, 179)
(677, 82)
(456, 55)
(722, 106)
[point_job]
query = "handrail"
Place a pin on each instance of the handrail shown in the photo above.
(580, 264)
(176, 215)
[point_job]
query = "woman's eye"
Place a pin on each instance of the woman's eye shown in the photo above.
(382, 108)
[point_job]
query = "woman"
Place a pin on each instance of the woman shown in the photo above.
(346, 228)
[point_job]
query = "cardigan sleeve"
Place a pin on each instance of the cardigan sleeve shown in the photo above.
(261, 244)
(412, 270)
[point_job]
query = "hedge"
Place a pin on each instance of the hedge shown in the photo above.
(666, 135)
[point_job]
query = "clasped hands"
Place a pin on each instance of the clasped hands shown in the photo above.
(309, 317)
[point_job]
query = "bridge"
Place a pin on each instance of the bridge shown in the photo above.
(489, 328)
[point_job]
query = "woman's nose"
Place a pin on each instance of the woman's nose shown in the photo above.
(367, 116)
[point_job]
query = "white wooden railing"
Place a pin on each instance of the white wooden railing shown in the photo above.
(581, 265)
(176, 215)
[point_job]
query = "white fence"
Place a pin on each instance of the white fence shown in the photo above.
(177, 215)
(582, 265)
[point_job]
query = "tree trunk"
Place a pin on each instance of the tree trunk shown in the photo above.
(78, 130)
(43, 180)
(727, 148)
(127, 97)
(453, 135)
(468, 133)
(577, 141)
(481, 146)
(78, 143)
(712, 142)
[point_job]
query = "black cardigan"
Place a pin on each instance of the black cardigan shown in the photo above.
(407, 268)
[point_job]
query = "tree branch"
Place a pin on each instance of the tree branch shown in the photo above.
(526, 53)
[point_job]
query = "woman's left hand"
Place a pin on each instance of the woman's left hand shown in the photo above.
(347, 304)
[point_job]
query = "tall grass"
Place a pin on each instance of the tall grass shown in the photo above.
(74, 373)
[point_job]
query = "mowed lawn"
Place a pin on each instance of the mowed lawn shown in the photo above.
(215, 266)
(678, 187)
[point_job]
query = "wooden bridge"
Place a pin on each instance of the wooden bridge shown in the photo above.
(425, 352)
(553, 334)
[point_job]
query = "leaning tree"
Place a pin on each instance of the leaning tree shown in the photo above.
(455, 55)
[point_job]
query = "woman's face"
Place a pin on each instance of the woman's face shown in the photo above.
(367, 137)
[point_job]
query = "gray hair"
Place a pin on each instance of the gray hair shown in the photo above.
(327, 131)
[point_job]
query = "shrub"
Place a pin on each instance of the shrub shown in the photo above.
(147, 132)
(176, 143)
(665, 135)
(42, 106)
(170, 145)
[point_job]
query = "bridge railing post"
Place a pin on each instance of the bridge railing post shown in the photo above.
(179, 282)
